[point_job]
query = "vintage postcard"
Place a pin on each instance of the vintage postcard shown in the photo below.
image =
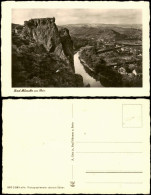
(76, 146)
(75, 48)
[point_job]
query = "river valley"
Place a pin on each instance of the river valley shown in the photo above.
(87, 79)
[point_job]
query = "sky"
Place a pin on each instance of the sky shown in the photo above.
(80, 16)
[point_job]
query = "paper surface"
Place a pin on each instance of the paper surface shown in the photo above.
(76, 146)
(8, 90)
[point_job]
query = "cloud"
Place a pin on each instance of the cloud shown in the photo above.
(75, 16)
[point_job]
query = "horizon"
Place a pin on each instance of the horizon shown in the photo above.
(80, 16)
(85, 23)
(102, 23)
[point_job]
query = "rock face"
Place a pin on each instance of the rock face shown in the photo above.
(44, 31)
(67, 45)
(42, 55)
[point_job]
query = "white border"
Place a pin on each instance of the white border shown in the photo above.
(7, 90)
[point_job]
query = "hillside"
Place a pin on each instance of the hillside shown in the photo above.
(105, 31)
(113, 52)
(42, 56)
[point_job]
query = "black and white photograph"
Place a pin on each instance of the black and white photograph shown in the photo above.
(75, 97)
(76, 47)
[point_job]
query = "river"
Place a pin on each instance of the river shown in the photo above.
(87, 79)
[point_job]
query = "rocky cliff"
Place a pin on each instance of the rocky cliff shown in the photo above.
(43, 55)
